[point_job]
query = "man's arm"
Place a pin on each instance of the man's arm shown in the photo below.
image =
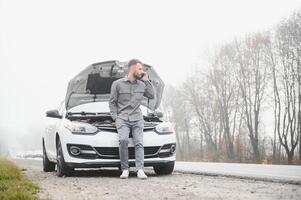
(149, 89)
(113, 101)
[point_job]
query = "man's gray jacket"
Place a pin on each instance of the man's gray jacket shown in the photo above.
(126, 97)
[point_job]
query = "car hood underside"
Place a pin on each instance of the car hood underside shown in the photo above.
(93, 84)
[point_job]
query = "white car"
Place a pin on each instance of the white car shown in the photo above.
(80, 133)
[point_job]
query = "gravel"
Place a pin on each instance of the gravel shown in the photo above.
(106, 184)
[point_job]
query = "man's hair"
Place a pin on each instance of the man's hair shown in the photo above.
(134, 62)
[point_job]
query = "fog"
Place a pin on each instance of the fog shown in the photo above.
(43, 44)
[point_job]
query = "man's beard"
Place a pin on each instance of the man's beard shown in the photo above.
(136, 76)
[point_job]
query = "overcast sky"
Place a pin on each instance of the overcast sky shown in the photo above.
(43, 44)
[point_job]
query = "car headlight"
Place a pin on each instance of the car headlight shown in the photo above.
(165, 128)
(81, 128)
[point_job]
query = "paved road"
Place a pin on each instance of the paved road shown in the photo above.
(282, 173)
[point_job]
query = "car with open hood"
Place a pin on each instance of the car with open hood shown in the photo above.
(80, 132)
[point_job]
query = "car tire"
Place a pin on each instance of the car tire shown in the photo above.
(164, 169)
(48, 166)
(62, 169)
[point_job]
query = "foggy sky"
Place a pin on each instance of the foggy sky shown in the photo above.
(43, 44)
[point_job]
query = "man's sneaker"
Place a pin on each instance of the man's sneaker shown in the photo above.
(125, 174)
(141, 174)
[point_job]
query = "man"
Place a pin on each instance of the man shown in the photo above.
(126, 96)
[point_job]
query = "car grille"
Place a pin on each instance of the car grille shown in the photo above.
(88, 152)
(113, 152)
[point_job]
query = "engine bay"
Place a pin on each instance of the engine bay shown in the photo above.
(105, 120)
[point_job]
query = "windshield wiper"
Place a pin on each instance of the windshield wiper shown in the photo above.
(83, 113)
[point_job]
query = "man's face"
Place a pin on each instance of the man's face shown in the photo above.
(138, 70)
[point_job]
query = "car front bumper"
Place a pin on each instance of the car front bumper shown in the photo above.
(110, 140)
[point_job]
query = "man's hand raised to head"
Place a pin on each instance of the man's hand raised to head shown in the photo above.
(145, 77)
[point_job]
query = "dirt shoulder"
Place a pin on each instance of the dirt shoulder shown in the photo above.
(106, 184)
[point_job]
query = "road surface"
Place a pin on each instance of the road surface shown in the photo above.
(275, 173)
(106, 184)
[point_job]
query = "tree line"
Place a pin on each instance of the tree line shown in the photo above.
(220, 112)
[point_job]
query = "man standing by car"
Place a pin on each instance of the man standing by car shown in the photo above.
(125, 100)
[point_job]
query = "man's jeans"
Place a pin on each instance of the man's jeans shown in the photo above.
(124, 128)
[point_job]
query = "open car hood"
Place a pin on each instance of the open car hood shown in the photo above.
(93, 84)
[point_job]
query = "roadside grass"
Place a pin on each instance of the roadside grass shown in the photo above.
(14, 185)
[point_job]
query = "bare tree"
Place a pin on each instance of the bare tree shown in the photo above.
(277, 102)
(288, 94)
(252, 78)
(205, 112)
(223, 80)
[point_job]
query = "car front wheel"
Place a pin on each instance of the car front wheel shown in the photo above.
(62, 168)
(164, 168)
(47, 165)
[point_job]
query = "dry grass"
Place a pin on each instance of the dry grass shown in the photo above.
(14, 185)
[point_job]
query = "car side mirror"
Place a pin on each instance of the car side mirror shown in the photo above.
(53, 114)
